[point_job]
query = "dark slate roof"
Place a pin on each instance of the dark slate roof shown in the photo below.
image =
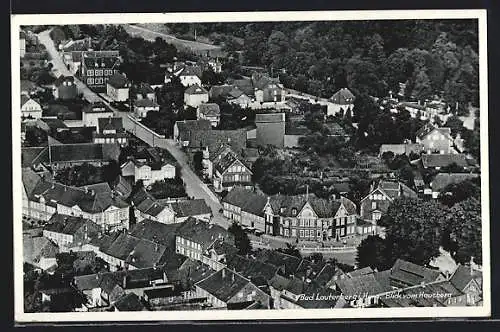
(84, 152)
(156, 232)
(322, 207)
(395, 189)
(118, 81)
(442, 160)
(54, 123)
(248, 200)
(291, 263)
(223, 248)
(123, 187)
(209, 109)
(191, 71)
(111, 123)
(412, 274)
(129, 302)
(30, 180)
(191, 207)
(383, 278)
(88, 201)
(429, 127)
(441, 180)
(269, 117)
(279, 282)
(191, 270)
(97, 107)
(360, 272)
(225, 160)
(364, 284)
(195, 90)
(64, 224)
(223, 91)
(224, 284)
(214, 139)
(343, 97)
(187, 127)
(144, 88)
(253, 269)
(461, 277)
(98, 61)
(145, 102)
(325, 275)
(245, 85)
(202, 232)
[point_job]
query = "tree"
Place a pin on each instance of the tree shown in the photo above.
(458, 192)
(197, 161)
(413, 230)
(455, 124)
(110, 172)
(35, 136)
(372, 252)
(241, 240)
(464, 222)
(422, 88)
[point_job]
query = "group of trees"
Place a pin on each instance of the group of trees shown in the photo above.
(431, 57)
(415, 229)
(241, 240)
(87, 174)
(168, 188)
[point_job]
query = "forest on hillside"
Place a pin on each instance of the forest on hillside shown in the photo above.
(433, 57)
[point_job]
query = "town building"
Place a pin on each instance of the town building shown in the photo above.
(183, 130)
(229, 171)
(96, 69)
(341, 102)
(210, 112)
(435, 139)
(191, 208)
(267, 89)
(145, 91)
(40, 252)
(399, 149)
(194, 237)
(407, 274)
(147, 207)
(145, 105)
(226, 289)
(93, 112)
(65, 88)
(468, 281)
(117, 87)
(382, 194)
(110, 131)
(30, 108)
(190, 75)
(270, 129)
(195, 95)
(68, 231)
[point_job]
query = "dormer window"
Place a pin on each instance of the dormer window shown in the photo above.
(294, 212)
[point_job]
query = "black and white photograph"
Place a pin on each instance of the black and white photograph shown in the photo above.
(263, 165)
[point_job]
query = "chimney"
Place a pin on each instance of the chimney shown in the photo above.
(471, 264)
(232, 275)
(124, 281)
(223, 273)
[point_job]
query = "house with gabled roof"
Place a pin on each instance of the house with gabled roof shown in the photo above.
(148, 207)
(40, 252)
(469, 281)
(307, 217)
(247, 208)
(442, 180)
(97, 67)
(229, 171)
(196, 208)
(91, 113)
(183, 130)
(145, 105)
(225, 288)
(30, 108)
(382, 194)
(341, 102)
(147, 172)
(110, 131)
(69, 231)
(117, 87)
(194, 237)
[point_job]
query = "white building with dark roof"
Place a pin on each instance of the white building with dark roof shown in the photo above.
(117, 87)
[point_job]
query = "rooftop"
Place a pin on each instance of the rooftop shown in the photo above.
(343, 97)
(442, 160)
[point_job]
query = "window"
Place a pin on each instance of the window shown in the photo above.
(178, 239)
(337, 222)
(301, 233)
(294, 232)
(301, 222)
(90, 80)
(286, 232)
(374, 205)
(294, 222)
(318, 234)
(90, 72)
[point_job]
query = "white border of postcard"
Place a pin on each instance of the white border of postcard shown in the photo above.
(50, 19)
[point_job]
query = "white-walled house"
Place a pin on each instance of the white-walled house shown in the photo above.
(147, 173)
(30, 108)
(93, 112)
(145, 105)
